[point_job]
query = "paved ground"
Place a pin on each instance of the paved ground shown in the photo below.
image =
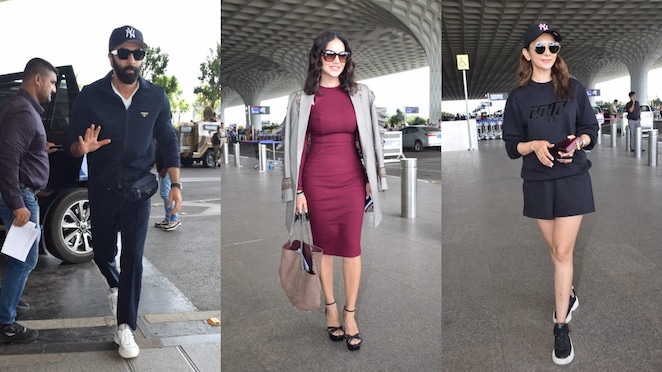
(399, 305)
(497, 276)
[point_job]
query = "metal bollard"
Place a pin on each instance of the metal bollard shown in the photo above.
(237, 157)
(628, 145)
(599, 140)
(408, 177)
(262, 157)
(614, 132)
(225, 153)
(652, 148)
(637, 142)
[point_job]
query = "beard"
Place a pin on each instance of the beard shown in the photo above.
(128, 74)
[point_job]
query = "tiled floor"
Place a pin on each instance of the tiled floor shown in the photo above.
(497, 289)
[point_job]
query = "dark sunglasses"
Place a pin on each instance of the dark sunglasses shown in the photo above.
(138, 54)
(330, 56)
(554, 47)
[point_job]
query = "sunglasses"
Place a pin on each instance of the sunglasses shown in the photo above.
(138, 54)
(330, 56)
(554, 47)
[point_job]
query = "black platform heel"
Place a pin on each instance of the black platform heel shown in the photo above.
(350, 338)
(332, 330)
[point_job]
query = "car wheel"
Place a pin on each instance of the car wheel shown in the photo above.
(187, 162)
(208, 159)
(68, 229)
(418, 146)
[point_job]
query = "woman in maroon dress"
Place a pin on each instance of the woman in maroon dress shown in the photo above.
(324, 169)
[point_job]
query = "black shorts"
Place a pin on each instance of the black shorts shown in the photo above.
(563, 197)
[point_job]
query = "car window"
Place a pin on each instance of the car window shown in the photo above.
(645, 108)
(430, 129)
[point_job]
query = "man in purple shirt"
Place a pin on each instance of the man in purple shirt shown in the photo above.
(24, 162)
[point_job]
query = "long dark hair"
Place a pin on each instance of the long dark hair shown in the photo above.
(560, 76)
(347, 78)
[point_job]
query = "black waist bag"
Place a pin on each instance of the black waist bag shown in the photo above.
(142, 188)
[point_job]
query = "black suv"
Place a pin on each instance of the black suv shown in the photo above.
(64, 205)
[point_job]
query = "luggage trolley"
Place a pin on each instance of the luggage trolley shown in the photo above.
(490, 130)
(481, 126)
(498, 128)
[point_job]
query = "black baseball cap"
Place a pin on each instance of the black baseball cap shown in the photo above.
(538, 29)
(125, 34)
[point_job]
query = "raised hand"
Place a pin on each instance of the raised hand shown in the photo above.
(91, 142)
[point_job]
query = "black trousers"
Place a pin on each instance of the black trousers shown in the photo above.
(110, 214)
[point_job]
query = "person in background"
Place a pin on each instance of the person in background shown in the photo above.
(24, 163)
(219, 139)
(171, 220)
(613, 111)
(115, 121)
(633, 110)
(546, 108)
(323, 173)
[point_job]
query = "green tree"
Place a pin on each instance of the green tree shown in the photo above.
(155, 63)
(209, 91)
(154, 67)
(397, 119)
(174, 92)
(417, 121)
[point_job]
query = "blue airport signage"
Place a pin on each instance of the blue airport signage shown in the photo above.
(593, 92)
(260, 110)
(411, 110)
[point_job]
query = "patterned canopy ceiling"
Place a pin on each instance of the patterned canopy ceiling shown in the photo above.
(602, 40)
(265, 43)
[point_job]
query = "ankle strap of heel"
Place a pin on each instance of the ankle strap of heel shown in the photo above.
(349, 311)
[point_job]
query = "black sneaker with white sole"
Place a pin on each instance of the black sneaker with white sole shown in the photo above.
(572, 306)
(563, 352)
(17, 334)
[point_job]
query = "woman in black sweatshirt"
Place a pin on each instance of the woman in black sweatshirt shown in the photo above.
(549, 121)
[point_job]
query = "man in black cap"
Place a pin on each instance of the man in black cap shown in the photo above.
(115, 121)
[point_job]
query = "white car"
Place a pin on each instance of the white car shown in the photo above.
(599, 114)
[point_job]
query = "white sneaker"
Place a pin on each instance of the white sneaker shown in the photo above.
(127, 345)
(172, 225)
(112, 298)
(161, 224)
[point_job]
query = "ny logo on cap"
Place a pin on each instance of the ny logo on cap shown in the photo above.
(543, 27)
(130, 33)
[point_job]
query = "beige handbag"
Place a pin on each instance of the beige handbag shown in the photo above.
(299, 262)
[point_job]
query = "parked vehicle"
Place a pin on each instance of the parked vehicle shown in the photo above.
(64, 205)
(420, 136)
(599, 114)
(195, 143)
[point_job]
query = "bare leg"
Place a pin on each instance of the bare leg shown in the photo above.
(326, 279)
(561, 235)
(351, 269)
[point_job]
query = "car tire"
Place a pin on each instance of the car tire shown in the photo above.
(67, 227)
(208, 159)
(418, 146)
(187, 162)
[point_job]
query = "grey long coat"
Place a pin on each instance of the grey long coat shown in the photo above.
(296, 125)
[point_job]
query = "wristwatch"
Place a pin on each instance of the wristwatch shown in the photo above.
(176, 184)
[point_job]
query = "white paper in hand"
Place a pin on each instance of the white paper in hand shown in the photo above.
(19, 240)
